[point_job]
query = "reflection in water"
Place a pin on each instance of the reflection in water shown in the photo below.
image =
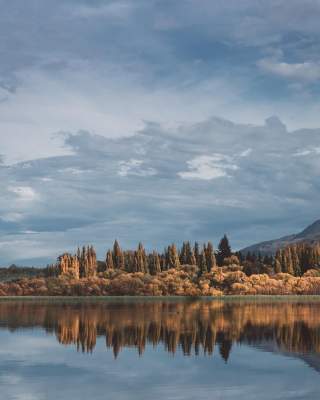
(192, 326)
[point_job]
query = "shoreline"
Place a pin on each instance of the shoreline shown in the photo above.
(134, 298)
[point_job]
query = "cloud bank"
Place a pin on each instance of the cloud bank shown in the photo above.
(106, 126)
(193, 182)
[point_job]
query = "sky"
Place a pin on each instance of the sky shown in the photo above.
(156, 121)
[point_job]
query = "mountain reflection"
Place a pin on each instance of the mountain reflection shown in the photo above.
(192, 326)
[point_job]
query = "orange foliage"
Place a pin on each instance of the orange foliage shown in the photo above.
(184, 281)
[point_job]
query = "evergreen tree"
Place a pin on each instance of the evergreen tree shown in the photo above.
(191, 259)
(197, 252)
(224, 250)
(118, 258)
(184, 254)
(277, 262)
(203, 268)
(154, 263)
(141, 259)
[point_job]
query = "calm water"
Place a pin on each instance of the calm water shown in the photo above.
(159, 350)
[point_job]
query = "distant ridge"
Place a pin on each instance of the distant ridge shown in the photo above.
(310, 234)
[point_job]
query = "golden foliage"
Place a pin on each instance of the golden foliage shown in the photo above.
(184, 281)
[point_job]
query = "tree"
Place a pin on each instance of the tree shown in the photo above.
(210, 257)
(203, 268)
(184, 254)
(277, 262)
(141, 259)
(109, 261)
(88, 262)
(197, 252)
(224, 250)
(154, 263)
(68, 265)
(118, 258)
(191, 259)
(173, 258)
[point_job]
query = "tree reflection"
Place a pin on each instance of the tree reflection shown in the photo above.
(193, 327)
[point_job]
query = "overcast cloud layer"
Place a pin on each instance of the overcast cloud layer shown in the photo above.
(156, 121)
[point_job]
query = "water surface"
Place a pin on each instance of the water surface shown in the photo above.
(159, 349)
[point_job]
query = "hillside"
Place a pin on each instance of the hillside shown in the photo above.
(310, 234)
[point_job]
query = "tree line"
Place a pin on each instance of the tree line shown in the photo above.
(294, 259)
(297, 258)
(84, 263)
(209, 324)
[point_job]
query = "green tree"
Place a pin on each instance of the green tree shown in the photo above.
(197, 252)
(118, 258)
(203, 268)
(224, 250)
(210, 257)
(154, 263)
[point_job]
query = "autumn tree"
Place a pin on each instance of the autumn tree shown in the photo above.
(69, 266)
(197, 252)
(172, 257)
(154, 263)
(109, 261)
(117, 255)
(210, 257)
(88, 262)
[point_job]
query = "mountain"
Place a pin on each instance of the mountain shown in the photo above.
(310, 234)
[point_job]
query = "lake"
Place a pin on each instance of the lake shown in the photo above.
(159, 349)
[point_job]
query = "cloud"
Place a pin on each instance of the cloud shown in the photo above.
(24, 193)
(208, 167)
(115, 110)
(182, 64)
(307, 152)
(116, 9)
(11, 217)
(306, 71)
(245, 153)
(194, 181)
(133, 167)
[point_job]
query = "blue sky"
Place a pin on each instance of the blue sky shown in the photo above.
(157, 121)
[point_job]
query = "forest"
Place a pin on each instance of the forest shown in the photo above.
(191, 270)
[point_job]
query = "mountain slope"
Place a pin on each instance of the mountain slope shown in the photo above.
(310, 234)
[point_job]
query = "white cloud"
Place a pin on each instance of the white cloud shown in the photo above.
(45, 179)
(208, 167)
(24, 193)
(106, 99)
(158, 183)
(307, 152)
(71, 171)
(245, 153)
(306, 71)
(133, 167)
(11, 217)
(115, 9)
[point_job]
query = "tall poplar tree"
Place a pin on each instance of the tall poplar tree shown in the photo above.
(118, 258)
